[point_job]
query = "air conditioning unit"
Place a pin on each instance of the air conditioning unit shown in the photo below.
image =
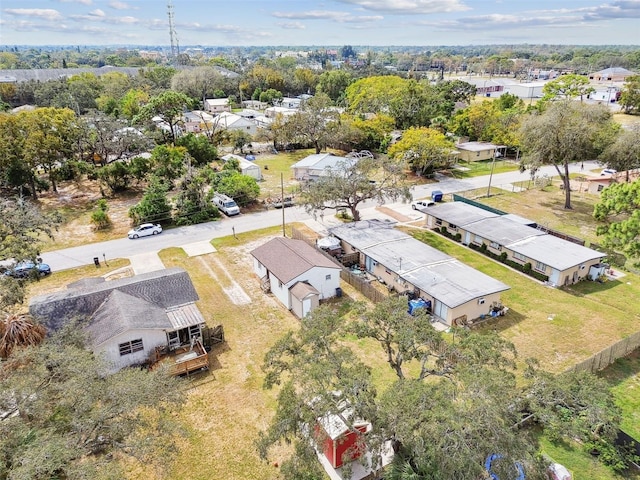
(481, 301)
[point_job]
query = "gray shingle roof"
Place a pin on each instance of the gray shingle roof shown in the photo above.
(121, 312)
(164, 289)
(287, 258)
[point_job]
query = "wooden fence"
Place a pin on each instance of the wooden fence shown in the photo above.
(212, 335)
(606, 357)
(364, 287)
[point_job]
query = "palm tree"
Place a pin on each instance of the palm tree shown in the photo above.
(19, 330)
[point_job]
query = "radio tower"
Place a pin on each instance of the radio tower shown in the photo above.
(175, 47)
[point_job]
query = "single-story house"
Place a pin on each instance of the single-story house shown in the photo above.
(486, 88)
(614, 74)
(453, 291)
(564, 262)
(128, 319)
(246, 167)
(525, 90)
(273, 112)
(231, 121)
(595, 185)
(317, 165)
(288, 102)
(254, 104)
(475, 151)
(298, 274)
(217, 105)
(197, 121)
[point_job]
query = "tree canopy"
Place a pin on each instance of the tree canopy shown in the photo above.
(354, 181)
(565, 132)
(63, 416)
(619, 209)
(454, 401)
(567, 87)
(425, 150)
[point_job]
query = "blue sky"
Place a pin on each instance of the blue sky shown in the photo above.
(329, 22)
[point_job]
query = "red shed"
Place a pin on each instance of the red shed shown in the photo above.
(340, 443)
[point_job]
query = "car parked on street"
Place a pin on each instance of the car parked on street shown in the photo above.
(418, 204)
(144, 230)
(25, 269)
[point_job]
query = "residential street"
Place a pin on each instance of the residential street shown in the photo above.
(178, 237)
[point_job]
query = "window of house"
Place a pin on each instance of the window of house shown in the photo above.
(600, 188)
(453, 227)
(541, 267)
(495, 245)
(131, 347)
(477, 239)
(438, 221)
(327, 277)
(519, 256)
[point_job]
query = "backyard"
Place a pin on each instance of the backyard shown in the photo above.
(227, 407)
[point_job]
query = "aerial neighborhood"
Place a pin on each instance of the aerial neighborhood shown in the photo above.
(319, 262)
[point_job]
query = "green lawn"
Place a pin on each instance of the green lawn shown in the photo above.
(483, 167)
(558, 327)
(624, 378)
(581, 465)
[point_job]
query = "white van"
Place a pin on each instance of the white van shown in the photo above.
(226, 204)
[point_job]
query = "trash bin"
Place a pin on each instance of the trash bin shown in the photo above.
(436, 195)
(96, 261)
(338, 292)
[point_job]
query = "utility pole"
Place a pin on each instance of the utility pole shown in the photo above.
(284, 233)
(175, 47)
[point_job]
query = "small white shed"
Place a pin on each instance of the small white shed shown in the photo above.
(247, 167)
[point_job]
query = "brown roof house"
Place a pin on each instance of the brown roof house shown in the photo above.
(296, 273)
(129, 320)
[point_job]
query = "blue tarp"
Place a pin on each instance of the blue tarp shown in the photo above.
(418, 303)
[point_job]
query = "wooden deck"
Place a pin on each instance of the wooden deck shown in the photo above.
(183, 360)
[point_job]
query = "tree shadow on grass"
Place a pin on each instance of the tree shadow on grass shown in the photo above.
(622, 369)
(216, 350)
(588, 287)
(499, 324)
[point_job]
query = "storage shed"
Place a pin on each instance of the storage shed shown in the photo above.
(342, 444)
(304, 298)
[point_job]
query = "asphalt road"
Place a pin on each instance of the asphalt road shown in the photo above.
(177, 237)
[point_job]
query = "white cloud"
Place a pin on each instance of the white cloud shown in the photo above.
(117, 5)
(83, 2)
(100, 16)
(43, 13)
(292, 25)
(410, 6)
(340, 17)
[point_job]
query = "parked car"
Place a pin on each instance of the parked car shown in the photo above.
(144, 230)
(608, 171)
(24, 269)
(417, 204)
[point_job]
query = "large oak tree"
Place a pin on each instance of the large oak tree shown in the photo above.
(566, 131)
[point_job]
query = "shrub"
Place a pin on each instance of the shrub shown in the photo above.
(99, 217)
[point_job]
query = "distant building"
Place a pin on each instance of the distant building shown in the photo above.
(614, 74)
(217, 105)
